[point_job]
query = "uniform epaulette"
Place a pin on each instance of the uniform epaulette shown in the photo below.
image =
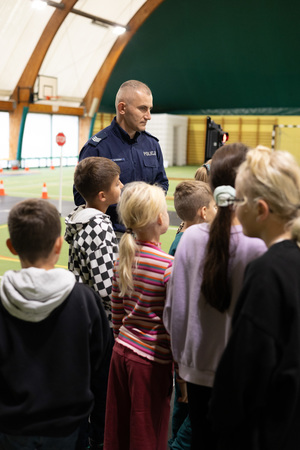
(97, 138)
(151, 135)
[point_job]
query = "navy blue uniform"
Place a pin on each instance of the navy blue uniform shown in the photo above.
(140, 159)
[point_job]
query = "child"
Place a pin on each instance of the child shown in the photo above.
(205, 282)
(93, 246)
(194, 203)
(256, 395)
(54, 338)
(140, 377)
(202, 173)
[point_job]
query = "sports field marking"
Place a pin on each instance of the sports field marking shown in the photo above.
(8, 258)
(16, 260)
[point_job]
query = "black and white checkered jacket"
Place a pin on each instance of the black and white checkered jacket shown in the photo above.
(93, 248)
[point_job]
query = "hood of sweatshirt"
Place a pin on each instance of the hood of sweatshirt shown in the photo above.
(78, 219)
(32, 294)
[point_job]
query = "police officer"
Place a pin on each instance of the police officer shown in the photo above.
(126, 142)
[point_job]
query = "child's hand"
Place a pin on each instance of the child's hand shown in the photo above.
(183, 390)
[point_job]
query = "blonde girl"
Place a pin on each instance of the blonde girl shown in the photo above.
(256, 396)
(140, 379)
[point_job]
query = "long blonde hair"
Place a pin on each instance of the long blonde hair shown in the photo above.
(275, 177)
(138, 209)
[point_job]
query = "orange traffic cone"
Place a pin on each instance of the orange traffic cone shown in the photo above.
(44, 192)
(2, 191)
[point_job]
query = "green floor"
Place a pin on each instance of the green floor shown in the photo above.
(29, 184)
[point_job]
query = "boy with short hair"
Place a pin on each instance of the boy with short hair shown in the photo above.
(54, 338)
(194, 203)
(93, 249)
(93, 246)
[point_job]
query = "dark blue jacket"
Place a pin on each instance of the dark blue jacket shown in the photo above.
(140, 159)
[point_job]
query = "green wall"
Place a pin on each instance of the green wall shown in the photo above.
(213, 57)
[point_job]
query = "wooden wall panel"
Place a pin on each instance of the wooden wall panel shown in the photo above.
(252, 130)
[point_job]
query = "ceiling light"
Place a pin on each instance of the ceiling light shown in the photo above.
(38, 4)
(118, 30)
(41, 4)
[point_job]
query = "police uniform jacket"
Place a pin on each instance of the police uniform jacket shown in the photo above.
(140, 159)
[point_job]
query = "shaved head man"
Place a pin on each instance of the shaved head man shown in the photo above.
(134, 102)
(127, 142)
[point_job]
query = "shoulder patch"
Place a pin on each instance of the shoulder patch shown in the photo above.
(151, 135)
(98, 138)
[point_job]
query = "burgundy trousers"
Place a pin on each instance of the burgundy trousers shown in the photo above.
(138, 402)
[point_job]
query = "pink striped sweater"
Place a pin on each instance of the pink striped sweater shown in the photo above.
(137, 320)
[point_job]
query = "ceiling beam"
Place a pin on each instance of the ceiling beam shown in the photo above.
(97, 19)
(94, 95)
(78, 12)
(53, 109)
(7, 105)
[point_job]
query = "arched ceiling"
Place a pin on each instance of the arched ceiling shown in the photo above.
(197, 56)
(63, 42)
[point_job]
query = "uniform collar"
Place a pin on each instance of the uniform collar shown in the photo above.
(122, 133)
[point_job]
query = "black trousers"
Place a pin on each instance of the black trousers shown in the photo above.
(202, 436)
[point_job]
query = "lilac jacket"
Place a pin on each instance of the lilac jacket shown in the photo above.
(199, 332)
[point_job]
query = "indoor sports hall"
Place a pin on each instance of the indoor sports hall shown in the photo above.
(219, 72)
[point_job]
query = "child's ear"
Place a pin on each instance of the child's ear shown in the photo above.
(159, 219)
(58, 245)
(202, 212)
(10, 247)
(101, 196)
(263, 210)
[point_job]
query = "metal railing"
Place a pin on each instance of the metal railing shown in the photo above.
(39, 162)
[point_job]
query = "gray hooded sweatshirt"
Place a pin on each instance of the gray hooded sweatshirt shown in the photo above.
(32, 294)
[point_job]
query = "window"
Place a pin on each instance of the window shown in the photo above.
(39, 147)
(4, 138)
